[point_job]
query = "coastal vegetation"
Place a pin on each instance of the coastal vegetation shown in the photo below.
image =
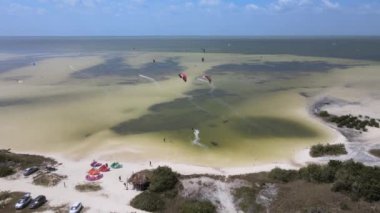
(320, 150)
(48, 179)
(148, 201)
(163, 179)
(359, 122)
(162, 194)
(351, 178)
(88, 187)
(191, 206)
(244, 198)
(6, 171)
(12, 162)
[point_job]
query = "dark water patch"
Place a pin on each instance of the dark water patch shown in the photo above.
(131, 81)
(14, 102)
(116, 67)
(15, 63)
(269, 127)
(277, 67)
(177, 114)
(42, 99)
(156, 122)
(17, 78)
(305, 94)
(340, 47)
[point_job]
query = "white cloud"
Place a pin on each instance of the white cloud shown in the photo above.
(329, 4)
(289, 4)
(251, 7)
(86, 3)
(281, 5)
(209, 2)
(16, 9)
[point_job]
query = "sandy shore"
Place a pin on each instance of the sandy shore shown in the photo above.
(113, 197)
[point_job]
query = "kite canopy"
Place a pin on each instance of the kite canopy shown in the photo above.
(104, 168)
(183, 76)
(116, 165)
(95, 164)
(94, 177)
(93, 172)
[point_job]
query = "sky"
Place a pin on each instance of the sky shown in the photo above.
(189, 17)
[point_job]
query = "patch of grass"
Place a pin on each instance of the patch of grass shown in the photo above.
(349, 177)
(283, 174)
(4, 195)
(23, 160)
(11, 162)
(327, 150)
(6, 171)
(245, 198)
(148, 201)
(194, 206)
(8, 200)
(49, 179)
(375, 152)
(88, 187)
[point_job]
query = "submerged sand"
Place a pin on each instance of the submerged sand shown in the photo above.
(44, 109)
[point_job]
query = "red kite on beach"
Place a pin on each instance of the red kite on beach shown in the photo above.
(183, 76)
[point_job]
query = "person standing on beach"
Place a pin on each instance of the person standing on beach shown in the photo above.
(150, 163)
(120, 178)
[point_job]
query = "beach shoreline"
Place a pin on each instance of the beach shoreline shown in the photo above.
(114, 193)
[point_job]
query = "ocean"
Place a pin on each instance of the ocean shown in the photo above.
(85, 95)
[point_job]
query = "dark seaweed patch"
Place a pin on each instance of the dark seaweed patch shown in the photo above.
(13, 102)
(280, 67)
(261, 127)
(174, 115)
(178, 114)
(11, 64)
(117, 67)
(40, 99)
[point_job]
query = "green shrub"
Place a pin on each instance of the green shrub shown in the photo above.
(358, 181)
(311, 173)
(343, 206)
(320, 150)
(148, 201)
(245, 198)
(324, 114)
(283, 174)
(194, 206)
(6, 171)
(163, 179)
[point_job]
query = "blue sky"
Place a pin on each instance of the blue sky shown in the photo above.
(190, 17)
